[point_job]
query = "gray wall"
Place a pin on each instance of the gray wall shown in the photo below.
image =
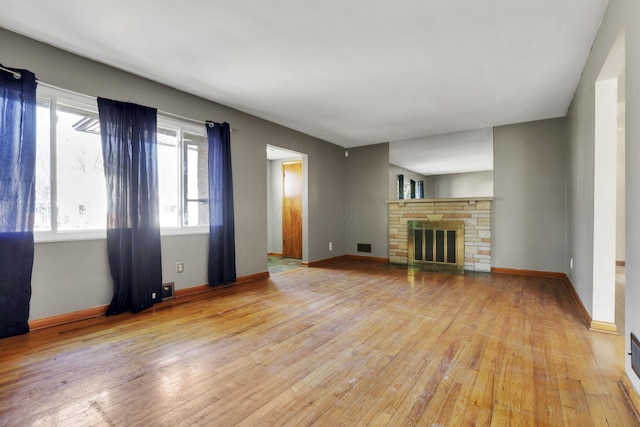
(620, 199)
(367, 180)
(581, 140)
(470, 184)
(620, 15)
(529, 222)
(70, 276)
(271, 213)
(632, 148)
(395, 170)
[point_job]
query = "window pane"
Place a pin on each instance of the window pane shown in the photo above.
(198, 211)
(81, 187)
(196, 180)
(43, 166)
(168, 177)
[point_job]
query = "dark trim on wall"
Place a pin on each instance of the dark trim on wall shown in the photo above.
(593, 325)
(369, 258)
(327, 261)
(251, 278)
(583, 310)
(324, 262)
(90, 313)
(61, 319)
(533, 273)
(631, 396)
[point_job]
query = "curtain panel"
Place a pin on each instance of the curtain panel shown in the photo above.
(17, 198)
(222, 249)
(129, 145)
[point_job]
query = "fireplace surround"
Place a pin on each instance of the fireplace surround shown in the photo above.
(474, 214)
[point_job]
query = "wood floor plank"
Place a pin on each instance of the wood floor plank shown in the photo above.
(353, 343)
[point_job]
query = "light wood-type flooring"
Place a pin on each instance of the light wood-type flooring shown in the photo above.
(353, 344)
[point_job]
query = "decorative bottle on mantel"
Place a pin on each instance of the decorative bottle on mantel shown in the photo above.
(400, 187)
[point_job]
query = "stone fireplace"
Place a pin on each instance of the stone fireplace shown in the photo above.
(459, 229)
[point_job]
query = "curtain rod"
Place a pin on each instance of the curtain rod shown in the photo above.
(18, 75)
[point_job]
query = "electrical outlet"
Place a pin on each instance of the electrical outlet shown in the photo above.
(571, 263)
(180, 267)
(153, 295)
(330, 246)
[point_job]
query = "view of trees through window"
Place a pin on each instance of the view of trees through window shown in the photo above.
(196, 180)
(72, 150)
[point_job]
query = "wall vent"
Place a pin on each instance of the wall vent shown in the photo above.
(635, 354)
(167, 291)
(364, 247)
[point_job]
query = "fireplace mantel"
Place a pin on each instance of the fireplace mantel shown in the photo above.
(445, 200)
(475, 212)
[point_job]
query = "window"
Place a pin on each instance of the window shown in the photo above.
(70, 186)
(80, 184)
(168, 176)
(196, 180)
(42, 220)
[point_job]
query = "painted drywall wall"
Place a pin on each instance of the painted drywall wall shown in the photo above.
(620, 199)
(395, 170)
(581, 140)
(621, 174)
(631, 14)
(74, 275)
(529, 219)
(367, 219)
(85, 288)
(271, 214)
(621, 16)
(470, 184)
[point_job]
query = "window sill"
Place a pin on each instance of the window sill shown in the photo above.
(185, 230)
(70, 236)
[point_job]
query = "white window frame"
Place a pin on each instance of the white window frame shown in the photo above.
(85, 102)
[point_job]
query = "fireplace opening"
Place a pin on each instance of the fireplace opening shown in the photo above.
(436, 244)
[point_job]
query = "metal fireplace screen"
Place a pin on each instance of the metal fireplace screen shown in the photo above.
(436, 243)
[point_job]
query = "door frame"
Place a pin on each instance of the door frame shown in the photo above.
(274, 198)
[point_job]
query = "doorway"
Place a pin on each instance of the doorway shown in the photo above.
(292, 210)
(287, 221)
(608, 214)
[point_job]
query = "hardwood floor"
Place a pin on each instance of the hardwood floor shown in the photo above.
(358, 343)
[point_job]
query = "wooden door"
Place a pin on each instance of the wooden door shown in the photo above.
(292, 210)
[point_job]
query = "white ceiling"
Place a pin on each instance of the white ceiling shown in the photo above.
(351, 72)
(276, 153)
(457, 152)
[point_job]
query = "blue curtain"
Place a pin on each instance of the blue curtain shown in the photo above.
(222, 248)
(129, 147)
(17, 198)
